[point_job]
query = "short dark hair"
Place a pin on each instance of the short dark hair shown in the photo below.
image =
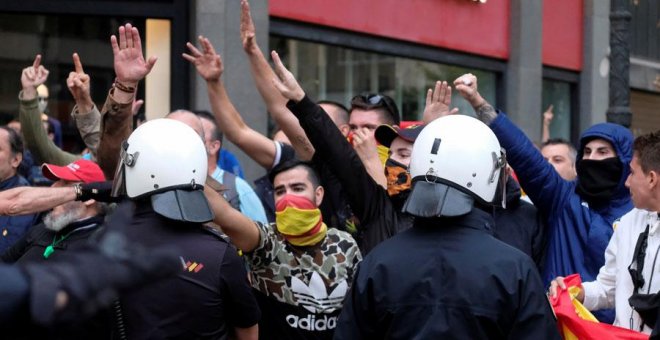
(312, 175)
(343, 111)
(572, 152)
(385, 104)
(216, 134)
(15, 140)
(647, 149)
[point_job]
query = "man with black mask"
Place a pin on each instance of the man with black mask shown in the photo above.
(579, 213)
(378, 210)
(626, 281)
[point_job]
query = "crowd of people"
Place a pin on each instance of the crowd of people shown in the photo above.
(364, 226)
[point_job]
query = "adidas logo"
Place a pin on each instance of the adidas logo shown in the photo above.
(315, 298)
(311, 323)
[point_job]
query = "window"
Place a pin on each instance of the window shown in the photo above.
(337, 73)
(558, 94)
(56, 37)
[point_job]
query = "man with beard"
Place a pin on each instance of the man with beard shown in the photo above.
(65, 231)
(68, 225)
(580, 213)
(300, 268)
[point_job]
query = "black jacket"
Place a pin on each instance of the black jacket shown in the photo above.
(210, 295)
(521, 225)
(31, 247)
(379, 218)
(447, 279)
(66, 245)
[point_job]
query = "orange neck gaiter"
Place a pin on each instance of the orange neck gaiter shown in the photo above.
(299, 220)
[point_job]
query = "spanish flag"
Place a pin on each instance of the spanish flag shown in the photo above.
(299, 220)
(576, 322)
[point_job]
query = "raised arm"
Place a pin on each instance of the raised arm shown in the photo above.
(117, 115)
(548, 115)
(537, 177)
(85, 113)
(275, 102)
(438, 100)
(28, 200)
(36, 138)
(367, 199)
(241, 230)
(209, 65)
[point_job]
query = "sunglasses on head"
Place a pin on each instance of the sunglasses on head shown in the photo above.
(375, 101)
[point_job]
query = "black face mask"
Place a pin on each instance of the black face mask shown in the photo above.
(598, 179)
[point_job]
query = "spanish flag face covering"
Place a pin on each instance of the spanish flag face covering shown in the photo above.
(299, 220)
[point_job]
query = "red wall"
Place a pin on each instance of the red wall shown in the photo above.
(461, 25)
(562, 34)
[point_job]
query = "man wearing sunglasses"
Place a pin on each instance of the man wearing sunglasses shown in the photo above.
(627, 278)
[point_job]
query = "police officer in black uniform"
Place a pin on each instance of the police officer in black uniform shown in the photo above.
(162, 170)
(447, 277)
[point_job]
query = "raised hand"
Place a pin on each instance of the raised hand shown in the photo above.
(78, 84)
(247, 29)
(466, 85)
(33, 76)
(437, 102)
(129, 62)
(285, 82)
(364, 144)
(548, 115)
(207, 62)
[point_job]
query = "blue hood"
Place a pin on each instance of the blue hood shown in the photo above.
(622, 140)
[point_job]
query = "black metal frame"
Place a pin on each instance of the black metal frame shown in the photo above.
(371, 43)
(177, 11)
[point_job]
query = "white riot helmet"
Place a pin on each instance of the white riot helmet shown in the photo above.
(455, 160)
(165, 160)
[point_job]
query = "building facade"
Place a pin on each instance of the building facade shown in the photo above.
(527, 54)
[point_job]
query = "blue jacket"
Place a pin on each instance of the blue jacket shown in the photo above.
(578, 234)
(13, 228)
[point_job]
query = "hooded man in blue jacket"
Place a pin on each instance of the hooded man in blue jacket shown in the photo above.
(580, 213)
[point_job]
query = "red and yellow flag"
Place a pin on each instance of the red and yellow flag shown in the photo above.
(576, 322)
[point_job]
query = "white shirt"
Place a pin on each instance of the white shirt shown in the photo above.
(613, 286)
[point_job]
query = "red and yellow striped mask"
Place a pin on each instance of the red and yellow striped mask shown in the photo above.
(299, 220)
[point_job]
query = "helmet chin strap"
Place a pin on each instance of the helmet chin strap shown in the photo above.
(500, 163)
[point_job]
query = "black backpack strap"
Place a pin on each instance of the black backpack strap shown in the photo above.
(638, 258)
(231, 194)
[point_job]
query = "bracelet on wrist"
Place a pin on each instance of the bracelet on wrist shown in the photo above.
(123, 87)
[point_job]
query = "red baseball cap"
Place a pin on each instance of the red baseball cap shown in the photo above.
(81, 170)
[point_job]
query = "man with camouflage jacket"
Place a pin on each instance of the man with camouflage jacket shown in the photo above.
(300, 269)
